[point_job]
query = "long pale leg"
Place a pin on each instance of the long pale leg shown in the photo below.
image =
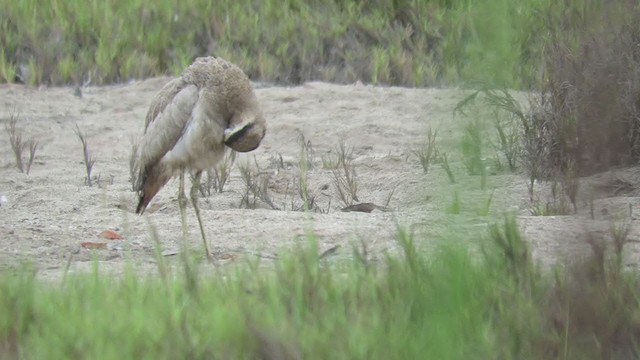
(195, 185)
(182, 203)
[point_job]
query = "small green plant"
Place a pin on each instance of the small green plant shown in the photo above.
(512, 255)
(536, 141)
(428, 151)
(256, 187)
(305, 162)
(217, 177)
(344, 176)
(472, 148)
(455, 207)
(87, 158)
(7, 69)
(533, 131)
(276, 162)
(33, 147)
(508, 141)
(557, 205)
(447, 168)
(15, 139)
(248, 175)
(486, 205)
(307, 153)
(571, 184)
(330, 160)
(18, 145)
(620, 235)
(304, 193)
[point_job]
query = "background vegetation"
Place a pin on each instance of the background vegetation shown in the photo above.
(395, 42)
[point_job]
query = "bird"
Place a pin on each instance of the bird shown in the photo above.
(209, 109)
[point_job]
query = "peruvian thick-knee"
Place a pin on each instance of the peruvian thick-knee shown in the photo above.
(193, 119)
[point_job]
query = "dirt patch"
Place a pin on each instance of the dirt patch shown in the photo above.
(49, 213)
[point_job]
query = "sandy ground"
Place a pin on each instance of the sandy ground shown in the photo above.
(46, 216)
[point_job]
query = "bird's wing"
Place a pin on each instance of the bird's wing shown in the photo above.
(168, 115)
(163, 98)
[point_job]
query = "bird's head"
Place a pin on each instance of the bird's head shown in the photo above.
(245, 132)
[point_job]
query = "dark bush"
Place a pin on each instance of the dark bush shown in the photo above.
(590, 99)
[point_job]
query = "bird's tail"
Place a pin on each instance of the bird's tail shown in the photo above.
(152, 181)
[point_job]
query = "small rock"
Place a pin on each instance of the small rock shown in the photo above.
(364, 207)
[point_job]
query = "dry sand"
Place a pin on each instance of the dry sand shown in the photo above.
(46, 215)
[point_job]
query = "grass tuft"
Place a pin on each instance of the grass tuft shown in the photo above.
(15, 139)
(344, 175)
(256, 187)
(18, 144)
(88, 159)
(428, 151)
(447, 168)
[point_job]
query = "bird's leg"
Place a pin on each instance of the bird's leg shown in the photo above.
(195, 185)
(182, 203)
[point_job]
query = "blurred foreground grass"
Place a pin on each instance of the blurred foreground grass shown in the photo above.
(450, 306)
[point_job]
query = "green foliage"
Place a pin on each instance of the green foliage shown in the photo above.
(472, 151)
(427, 152)
(447, 168)
(455, 207)
(472, 148)
(409, 42)
(485, 206)
(448, 305)
(299, 308)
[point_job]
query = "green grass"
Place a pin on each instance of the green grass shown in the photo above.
(406, 42)
(449, 305)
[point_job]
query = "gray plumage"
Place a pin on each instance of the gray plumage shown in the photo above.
(191, 120)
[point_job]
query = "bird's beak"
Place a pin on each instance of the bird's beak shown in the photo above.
(246, 136)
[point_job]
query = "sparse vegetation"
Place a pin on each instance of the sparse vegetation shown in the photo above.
(87, 158)
(33, 147)
(454, 207)
(256, 187)
(428, 151)
(330, 160)
(534, 146)
(447, 168)
(305, 163)
(15, 139)
(471, 146)
(485, 207)
(508, 143)
(217, 177)
(18, 145)
(307, 154)
(472, 151)
(345, 179)
(250, 194)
